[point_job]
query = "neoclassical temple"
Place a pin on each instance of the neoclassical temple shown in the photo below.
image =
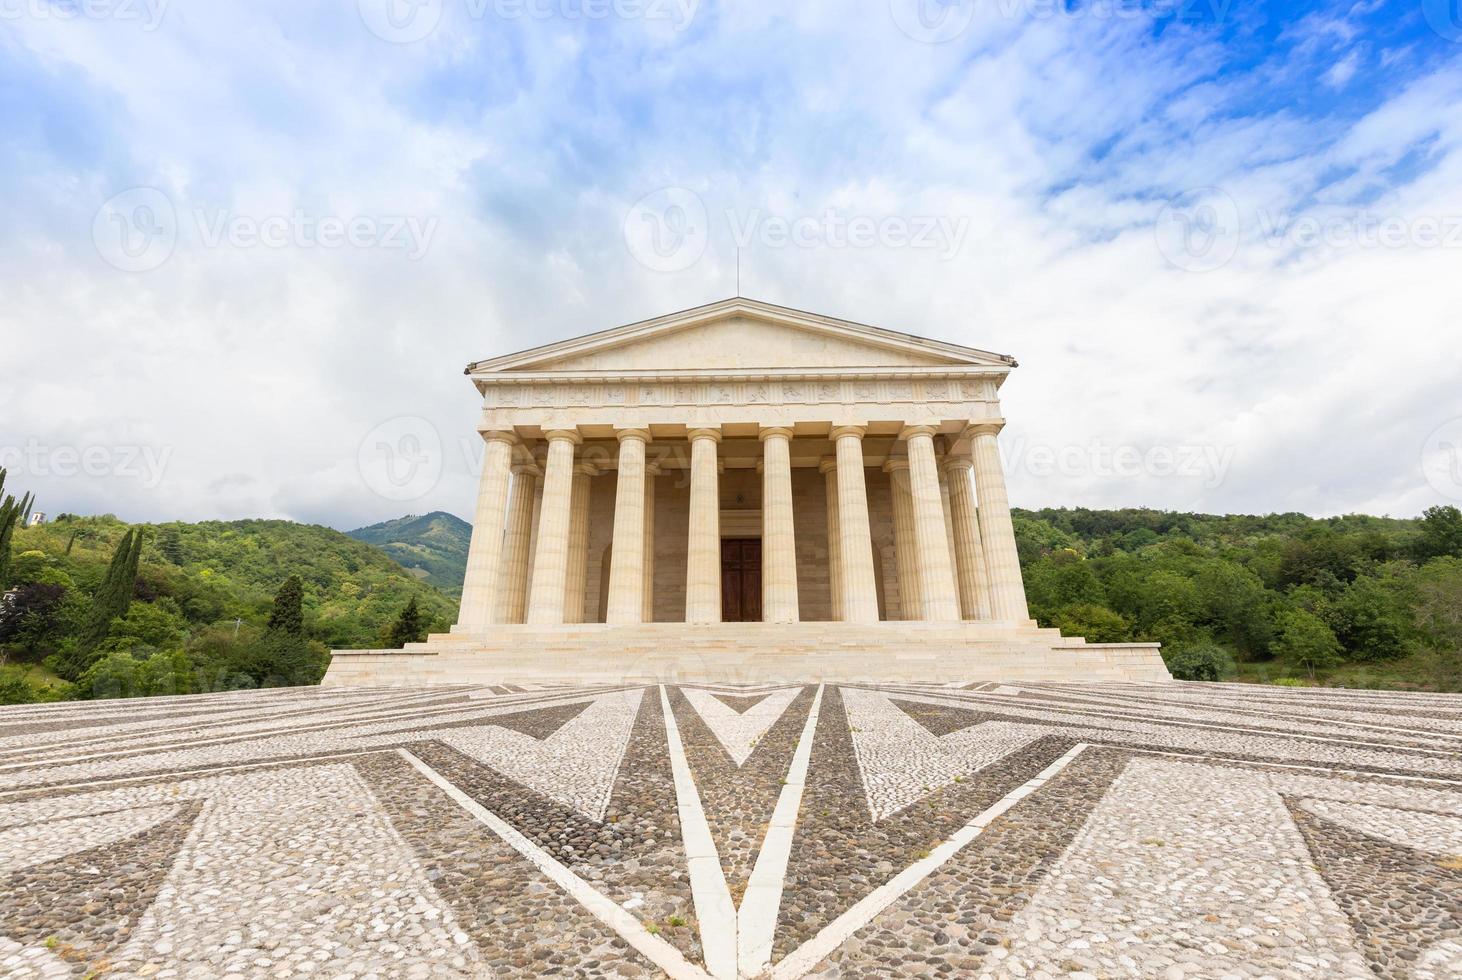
(748, 492)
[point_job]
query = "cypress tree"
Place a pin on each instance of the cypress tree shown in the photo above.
(112, 599)
(407, 628)
(288, 617)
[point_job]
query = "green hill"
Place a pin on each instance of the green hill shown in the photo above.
(205, 591)
(433, 547)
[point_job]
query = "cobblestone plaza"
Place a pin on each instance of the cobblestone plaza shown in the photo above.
(1040, 830)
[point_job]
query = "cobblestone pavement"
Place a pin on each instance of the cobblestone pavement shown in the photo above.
(987, 830)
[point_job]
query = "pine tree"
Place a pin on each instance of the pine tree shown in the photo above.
(170, 543)
(407, 628)
(284, 650)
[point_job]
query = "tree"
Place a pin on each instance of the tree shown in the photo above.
(112, 599)
(12, 512)
(407, 628)
(1441, 533)
(287, 618)
(1305, 641)
(1097, 623)
(1371, 622)
(284, 655)
(170, 545)
(1199, 662)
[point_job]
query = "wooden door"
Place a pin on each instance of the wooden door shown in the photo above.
(741, 580)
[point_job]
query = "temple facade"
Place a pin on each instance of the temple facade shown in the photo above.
(677, 480)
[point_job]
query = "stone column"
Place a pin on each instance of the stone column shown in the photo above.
(829, 469)
(969, 558)
(936, 577)
(512, 601)
(703, 549)
(484, 551)
(860, 588)
(577, 576)
(1002, 561)
(550, 563)
(778, 539)
(627, 556)
(648, 614)
(905, 545)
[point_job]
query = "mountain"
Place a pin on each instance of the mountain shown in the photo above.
(433, 547)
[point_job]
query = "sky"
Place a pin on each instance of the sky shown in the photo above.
(248, 248)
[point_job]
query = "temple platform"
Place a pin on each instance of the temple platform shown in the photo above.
(750, 653)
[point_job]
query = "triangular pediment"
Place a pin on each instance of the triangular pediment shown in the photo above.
(741, 334)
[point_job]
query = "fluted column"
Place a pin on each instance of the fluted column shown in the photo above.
(648, 614)
(576, 578)
(936, 576)
(512, 598)
(905, 545)
(829, 469)
(1002, 561)
(860, 588)
(627, 557)
(550, 563)
(703, 549)
(484, 551)
(969, 558)
(778, 539)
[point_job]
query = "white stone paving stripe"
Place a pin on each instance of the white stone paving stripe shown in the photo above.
(714, 909)
(841, 929)
(756, 920)
(655, 949)
(739, 731)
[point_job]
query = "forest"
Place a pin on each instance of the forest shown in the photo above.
(94, 607)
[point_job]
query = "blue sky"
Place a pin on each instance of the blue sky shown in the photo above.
(247, 243)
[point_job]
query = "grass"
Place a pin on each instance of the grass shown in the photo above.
(1420, 672)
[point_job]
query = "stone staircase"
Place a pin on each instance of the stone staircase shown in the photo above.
(749, 653)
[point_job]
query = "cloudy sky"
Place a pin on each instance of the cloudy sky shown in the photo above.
(248, 247)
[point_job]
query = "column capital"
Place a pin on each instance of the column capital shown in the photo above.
(559, 435)
(641, 434)
(585, 469)
(774, 432)
(527, 466)
(957, 461)
(500, 435)
(914, 431)
(895, 463)
(986, 428)
(651, 468)
(828, 464)
(696, 434)
(847, 430)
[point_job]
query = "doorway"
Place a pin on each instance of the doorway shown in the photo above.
(741, 580)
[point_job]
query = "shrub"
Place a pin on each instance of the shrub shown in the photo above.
(1097, 623)
(1200, 662)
